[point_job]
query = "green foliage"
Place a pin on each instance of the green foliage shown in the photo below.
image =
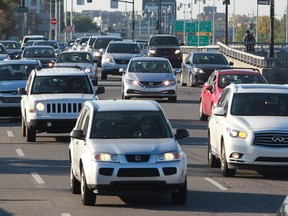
(6, 11)
(85, 24)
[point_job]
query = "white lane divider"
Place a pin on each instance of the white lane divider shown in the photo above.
(10, 133)
(20, 152)
(215, 183)
(65, 214)
(37, 178)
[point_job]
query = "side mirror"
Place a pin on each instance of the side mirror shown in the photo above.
(177, 70)
(122, 70)
(21, 91)
(100, 90)
(181, 133)
(231, 63)
(77, 134)
(209, 87)
(187, 62)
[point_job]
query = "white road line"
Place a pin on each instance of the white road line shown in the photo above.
(20, 152)
(10, 134)
(37, 178)
(65, 214)
(216, 184)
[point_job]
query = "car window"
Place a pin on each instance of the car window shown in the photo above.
(124, 48)
(14, 72)
(39, 52)
(156, 41)
(226, 79)
(150, 67)
(61, 84)
(209, 59)
(102, 43)
(260, 104)
(75, 58)
(11, 45)
(124, 124)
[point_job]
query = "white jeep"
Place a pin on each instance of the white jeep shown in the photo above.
(52, 100)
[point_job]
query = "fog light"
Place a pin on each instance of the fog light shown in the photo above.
(49, 124)
(236, 155)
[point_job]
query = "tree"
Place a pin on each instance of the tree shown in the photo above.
(85, 24)
(7, 11)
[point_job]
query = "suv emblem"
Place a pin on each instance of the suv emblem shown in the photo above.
(137, 158)
(150, 83)
(277, 139)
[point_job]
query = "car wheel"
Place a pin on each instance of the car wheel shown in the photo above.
(202, 116)
(224, 165)
(103, 76)
(180, 197)
(74, 183)
(212, 160)
(23, 127)
(173, 99)
(87, 195)
(30, 135)
(182, 83)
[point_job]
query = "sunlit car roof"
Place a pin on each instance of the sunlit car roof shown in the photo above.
(125, 105)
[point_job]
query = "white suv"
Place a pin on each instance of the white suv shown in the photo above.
(249, 129)
(121, 147)
(52, 100)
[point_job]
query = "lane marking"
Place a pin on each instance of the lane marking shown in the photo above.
(37, 178)
(66, 214)
(215, 183)
(20, 152)
(10, 133)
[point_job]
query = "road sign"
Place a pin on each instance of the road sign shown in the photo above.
(53, 21)
(263, 2)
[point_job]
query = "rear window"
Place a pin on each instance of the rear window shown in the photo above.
(156, 41)
(124, 48)
(102, 43)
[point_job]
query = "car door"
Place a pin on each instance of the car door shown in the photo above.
(208, 94)
(186, 69)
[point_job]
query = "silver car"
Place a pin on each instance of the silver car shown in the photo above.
(149, 77)
(120, 146)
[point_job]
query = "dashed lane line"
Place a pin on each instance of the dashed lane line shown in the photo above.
(10, 133)
(215, 183)
(37, 178)
(20, 152)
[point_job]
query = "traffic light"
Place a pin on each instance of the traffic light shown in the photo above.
(89, 1)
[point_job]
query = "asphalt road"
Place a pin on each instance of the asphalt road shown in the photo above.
(34, 177)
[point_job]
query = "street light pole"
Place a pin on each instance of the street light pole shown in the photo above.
(272, 15)
(287, 22)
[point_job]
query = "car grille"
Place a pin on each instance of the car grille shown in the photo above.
(64, 107)
(137, 158)
(271, 139)
(151, 84)
(10, 99)
(121, 61)
(138, 172)
(166, 51)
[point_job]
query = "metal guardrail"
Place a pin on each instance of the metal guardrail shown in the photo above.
(258, 58)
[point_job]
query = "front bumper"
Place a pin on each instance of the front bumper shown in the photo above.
(52, 125)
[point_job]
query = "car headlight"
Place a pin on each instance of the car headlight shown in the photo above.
(237, 133)
(88, 70)
(169, 156)
(132, 82)
(199, 70)
(105, 157)
(96, 54)
(177, 52)
(40, 107)
(152, 51)
(107, 59)
(169, 82)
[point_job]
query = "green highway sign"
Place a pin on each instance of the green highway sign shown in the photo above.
(193, 40)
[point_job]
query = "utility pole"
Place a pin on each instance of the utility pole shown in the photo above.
(226, 2)
(272, 16)
(158, 30)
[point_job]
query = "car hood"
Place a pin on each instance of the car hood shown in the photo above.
(12, 85)
(261, 122)
(63, 97)
(155, 77)
(133, 146)
(82, 65)
(125, 56)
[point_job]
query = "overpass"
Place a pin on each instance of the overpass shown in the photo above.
(275, 69)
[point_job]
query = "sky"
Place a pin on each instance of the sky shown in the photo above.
(243, 7)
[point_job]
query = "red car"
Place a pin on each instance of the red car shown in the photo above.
(218, 80)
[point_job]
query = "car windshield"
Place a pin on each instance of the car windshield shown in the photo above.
(150, 67)
(71, 57)
(39, 52)
(2, 50)
(209, 59)
(102, 43)
(61, 84)
(15, 71)
(226, 79)
(130, 124)
(9, 45)
(54, 44)
(156, 41)
(260, 104)
(124, 48)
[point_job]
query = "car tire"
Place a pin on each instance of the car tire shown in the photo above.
(182, 83)
(75, 185)
(30, 135)
(23, 126)
(172, 99)
(87, 195)
(202, 116)
(213, 162)
(103, 76)
(226, 171)
(180, 197)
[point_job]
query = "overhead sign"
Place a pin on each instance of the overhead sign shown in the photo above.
(263, 2)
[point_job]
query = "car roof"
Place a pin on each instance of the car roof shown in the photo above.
(39, 46)
(124, 105)
(123, 42)
(20, 61)
(75, 51)
(238, 71)
(259, 88)
(141, 58)
(163, 35)
(61, 71)
(205, 53)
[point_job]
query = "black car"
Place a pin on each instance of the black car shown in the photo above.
(12, 47)
(166, 46)
(198, 66)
